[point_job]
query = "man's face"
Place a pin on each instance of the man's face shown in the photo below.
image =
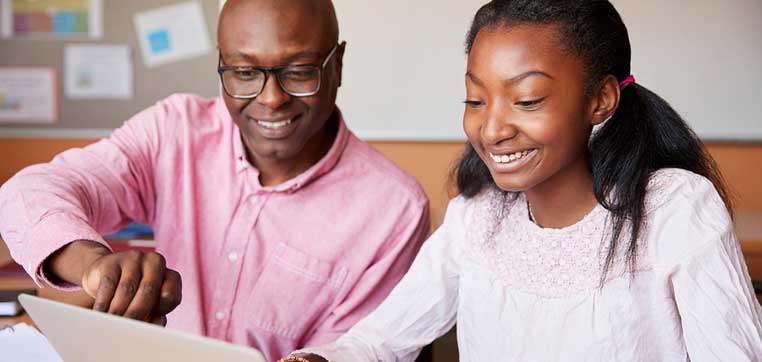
(277, 125)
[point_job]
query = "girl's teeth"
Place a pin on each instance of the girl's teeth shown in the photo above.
(509, 158)
(274, 125)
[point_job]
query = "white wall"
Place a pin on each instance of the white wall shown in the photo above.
(404, 65)
(704, 57)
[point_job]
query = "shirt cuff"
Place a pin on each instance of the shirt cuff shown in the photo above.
(50, 234)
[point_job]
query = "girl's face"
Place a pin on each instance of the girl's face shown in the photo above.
(526, 113)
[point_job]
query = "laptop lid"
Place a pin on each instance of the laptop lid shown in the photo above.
(83, 335)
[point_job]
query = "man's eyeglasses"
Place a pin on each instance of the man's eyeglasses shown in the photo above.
(296, 80)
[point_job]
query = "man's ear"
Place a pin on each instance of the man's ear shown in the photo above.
(605, 100)
(340, 60)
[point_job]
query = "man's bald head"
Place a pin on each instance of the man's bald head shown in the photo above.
(283, 34)
(320, 12)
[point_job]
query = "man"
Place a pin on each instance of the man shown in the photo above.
(285, 227)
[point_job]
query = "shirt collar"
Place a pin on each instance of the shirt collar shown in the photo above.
(325, 164)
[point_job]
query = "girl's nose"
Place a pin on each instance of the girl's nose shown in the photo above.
(498, 127)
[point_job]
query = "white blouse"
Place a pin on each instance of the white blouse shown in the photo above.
(519, 292)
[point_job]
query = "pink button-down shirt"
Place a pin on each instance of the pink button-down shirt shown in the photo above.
(275, 268)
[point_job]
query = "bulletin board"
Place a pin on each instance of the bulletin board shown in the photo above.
(96, 117)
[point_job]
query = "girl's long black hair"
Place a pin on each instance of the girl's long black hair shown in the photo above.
(645, 134)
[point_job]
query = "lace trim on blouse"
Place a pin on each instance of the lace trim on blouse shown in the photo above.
(549, 262)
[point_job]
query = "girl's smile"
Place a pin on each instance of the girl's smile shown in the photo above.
(509, 161)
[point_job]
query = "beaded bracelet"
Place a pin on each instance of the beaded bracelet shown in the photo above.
(293, 358)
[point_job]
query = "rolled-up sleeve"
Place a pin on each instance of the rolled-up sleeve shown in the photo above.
(82, 193)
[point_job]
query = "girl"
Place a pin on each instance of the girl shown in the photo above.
(561, 246)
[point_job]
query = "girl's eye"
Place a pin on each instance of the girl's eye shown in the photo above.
(530, 104)
(471, 103)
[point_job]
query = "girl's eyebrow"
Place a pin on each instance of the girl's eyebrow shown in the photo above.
(527, 74)
(511, 81)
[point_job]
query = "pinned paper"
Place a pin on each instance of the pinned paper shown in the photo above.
(28, 95)
(172, 33)
(51, 18)
(98, 71)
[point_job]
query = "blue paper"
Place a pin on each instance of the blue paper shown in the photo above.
(64, 22)
(159, 41)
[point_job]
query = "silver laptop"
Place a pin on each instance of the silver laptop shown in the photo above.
(83, 335)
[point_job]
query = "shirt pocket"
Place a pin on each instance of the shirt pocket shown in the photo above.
(293, 291)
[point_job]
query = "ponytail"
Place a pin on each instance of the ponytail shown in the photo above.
(644, 135)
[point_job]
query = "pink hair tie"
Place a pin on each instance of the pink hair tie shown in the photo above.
(626, 81)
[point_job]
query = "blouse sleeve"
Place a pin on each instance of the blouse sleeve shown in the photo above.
(720, 315)
(419, 309)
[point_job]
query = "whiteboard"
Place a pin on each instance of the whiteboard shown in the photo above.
(404, 64)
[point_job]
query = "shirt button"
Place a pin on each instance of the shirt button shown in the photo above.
(220, 315)
(232, 256)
